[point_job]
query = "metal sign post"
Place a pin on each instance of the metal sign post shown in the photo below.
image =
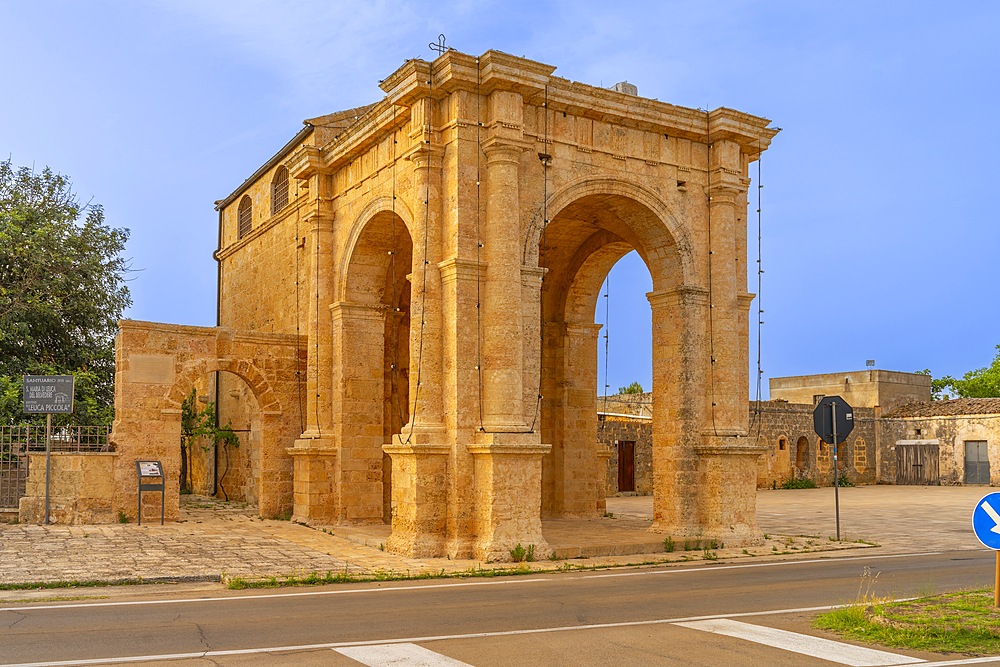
(986, 524)
(834, 426)
(48, 395)
(836, 467)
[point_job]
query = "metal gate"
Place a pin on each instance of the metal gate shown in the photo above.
(977, 462)
(17, 441)
(917, 463)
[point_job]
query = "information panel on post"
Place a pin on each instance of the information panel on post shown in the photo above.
(48, 394)
(148, 471)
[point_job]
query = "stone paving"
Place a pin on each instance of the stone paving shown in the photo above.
(215, 539)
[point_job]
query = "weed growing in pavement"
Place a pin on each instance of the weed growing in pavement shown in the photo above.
(709, 554)
(520, 555)
(122, 517)
(668, 544)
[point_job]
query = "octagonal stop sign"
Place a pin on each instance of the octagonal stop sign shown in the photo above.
(833, 410)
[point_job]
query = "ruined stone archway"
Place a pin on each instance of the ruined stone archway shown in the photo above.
(157, 365)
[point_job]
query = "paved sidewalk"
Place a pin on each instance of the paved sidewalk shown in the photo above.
(216, 539)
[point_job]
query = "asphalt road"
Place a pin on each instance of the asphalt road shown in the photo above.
(620, 617)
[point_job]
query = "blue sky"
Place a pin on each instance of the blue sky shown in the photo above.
(879, 230)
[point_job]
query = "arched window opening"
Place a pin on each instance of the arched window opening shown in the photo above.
(244, 217)
(279, 190)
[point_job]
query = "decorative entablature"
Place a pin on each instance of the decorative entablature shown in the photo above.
(496, 71)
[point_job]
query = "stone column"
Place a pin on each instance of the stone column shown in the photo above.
(680, 361)
(358, 396)
(502, 346)
(426, 378)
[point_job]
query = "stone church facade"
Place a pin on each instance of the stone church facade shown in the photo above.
(406, 312)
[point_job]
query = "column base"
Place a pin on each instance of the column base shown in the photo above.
(419, 499)
(727, 491)
(314, 485)
(508, 497)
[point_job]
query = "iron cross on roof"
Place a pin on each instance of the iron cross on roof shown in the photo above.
(439, 46)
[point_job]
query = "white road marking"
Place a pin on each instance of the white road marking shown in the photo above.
(582, 576)
(393, 655)
(817, 647)
(716, 568)
(402, 640)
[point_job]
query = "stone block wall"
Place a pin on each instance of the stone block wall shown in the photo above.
(613, 429)
(81, 489)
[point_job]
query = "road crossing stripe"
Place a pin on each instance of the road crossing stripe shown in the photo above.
(817, 647)
(390, 655)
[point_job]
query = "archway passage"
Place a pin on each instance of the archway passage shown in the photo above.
(578, 248)
(371, 339)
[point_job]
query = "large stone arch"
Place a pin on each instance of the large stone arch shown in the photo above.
(370, 337)
(673, 231)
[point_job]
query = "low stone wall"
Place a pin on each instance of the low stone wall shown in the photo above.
(81, 488)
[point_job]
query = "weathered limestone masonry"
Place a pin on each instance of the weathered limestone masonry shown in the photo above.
(442, 252)
(156, 367)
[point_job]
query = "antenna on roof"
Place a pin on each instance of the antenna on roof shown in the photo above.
(870, 363)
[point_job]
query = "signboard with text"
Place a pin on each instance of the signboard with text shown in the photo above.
(48, 394)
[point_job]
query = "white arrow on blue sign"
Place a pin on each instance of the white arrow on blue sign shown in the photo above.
(986, 520)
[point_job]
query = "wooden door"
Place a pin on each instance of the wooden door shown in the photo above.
(626, 466)
(917, 464)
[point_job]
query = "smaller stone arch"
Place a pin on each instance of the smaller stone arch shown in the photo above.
(158, 365)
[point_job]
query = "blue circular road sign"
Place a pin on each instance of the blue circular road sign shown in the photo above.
(986, 520)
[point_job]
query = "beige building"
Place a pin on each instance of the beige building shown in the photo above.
(861, 389)
(406, 312)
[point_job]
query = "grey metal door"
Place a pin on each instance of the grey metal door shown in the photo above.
(977, 462)
(917, 464)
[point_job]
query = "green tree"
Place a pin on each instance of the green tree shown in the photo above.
(634, 388)
(938, 385)
(978, 383)
(62, 292)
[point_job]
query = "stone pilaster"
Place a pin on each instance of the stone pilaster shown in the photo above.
(503, 345)
(319, 245)
(358, 395)
(728, 388)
